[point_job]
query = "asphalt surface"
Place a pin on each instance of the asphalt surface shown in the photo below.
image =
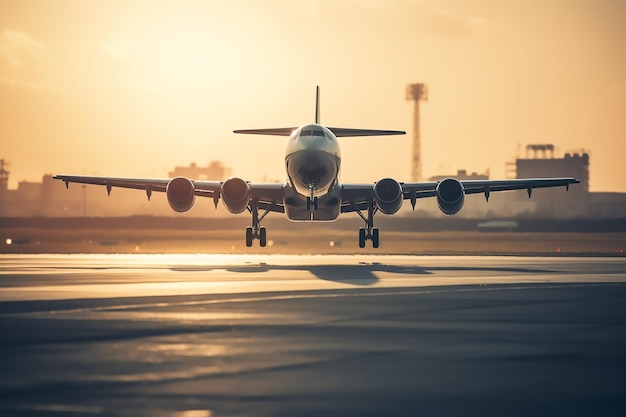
(198, 335)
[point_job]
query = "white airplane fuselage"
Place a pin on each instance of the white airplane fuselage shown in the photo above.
(312, 162)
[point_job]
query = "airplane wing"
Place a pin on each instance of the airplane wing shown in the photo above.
(268, 195)
(356, 197)
(487, 186)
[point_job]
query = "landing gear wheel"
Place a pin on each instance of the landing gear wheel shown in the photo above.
(263, 237)
(361, 238)
(375, 238)
(248, 236)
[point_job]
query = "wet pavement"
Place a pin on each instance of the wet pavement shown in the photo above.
(194, 336)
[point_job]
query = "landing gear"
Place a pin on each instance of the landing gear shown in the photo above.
(261, 234)
(311, 202)
(369, 232)
(256, 231)
(372, 235)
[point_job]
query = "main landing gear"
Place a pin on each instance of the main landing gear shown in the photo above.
(256, 231)
(369, 232)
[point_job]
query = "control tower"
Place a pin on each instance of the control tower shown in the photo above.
(416, 93)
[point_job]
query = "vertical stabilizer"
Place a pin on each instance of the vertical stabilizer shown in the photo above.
(317, 104)
(338, 131)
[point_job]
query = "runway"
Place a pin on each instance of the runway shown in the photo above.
(270, 335)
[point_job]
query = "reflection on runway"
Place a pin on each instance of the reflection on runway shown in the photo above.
(290, 335)
(47, 277)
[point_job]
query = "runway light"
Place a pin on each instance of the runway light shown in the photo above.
(558, 250)
(332, 243)
(9, 241)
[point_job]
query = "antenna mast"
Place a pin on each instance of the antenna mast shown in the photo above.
(416, 93)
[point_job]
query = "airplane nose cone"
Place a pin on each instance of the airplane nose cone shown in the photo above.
(311, 160)
(312, 170)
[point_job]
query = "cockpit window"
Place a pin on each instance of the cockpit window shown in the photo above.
(310, 132)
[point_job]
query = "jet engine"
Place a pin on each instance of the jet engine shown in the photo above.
(450, 196)
(181, 194)
(388, 195)
(235, 195)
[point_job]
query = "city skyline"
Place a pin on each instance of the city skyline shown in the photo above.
(133, 88)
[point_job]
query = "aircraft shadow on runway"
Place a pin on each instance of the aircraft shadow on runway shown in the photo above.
(361, 274)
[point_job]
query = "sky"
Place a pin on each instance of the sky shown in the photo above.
(135, 88)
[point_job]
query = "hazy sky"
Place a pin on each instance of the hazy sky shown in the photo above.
(134, 88)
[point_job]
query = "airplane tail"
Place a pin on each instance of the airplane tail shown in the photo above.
(338, 131)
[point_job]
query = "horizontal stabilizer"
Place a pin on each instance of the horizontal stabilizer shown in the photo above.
(279, 131)
(338, 131)
(342, 132)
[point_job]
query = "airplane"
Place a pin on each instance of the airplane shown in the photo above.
(312, 191)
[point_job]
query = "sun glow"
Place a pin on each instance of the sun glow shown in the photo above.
(181, 59)
(171, 80)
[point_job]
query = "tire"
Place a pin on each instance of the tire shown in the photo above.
(361, 238)
(375, 238)
(248, 236)
(263, 237)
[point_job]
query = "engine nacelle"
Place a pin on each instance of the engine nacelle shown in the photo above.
(388, 195)
(450, 196)
(235, 195)
(181, 194)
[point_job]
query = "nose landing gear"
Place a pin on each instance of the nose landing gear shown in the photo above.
(311, 203)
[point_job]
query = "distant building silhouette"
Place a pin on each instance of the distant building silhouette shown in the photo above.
(549, 202)
(462, 175)
(214, 171)
(607, 205)
(4, 185)
(4, 176)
